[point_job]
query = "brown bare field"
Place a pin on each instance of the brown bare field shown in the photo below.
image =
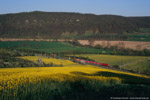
(127, 44)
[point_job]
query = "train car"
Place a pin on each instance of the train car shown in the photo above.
(90, 62)
(102, 64)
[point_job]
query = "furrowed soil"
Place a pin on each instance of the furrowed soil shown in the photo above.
(128, 44)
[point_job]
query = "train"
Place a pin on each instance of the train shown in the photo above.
(90, 62)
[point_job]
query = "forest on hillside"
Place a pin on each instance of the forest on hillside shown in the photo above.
(60, 24)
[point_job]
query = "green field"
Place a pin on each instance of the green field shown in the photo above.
(145, 29)
(138, 64)
(49, 47)
(141, 37)
(143, 34)
(114, 59)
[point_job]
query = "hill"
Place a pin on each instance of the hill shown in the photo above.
(142, 21)
(60, 24)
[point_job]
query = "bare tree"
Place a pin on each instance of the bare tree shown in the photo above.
(103, 44)
(108, 44)
(138, 47)
(91, 42)
(116, 46)
(121, 45)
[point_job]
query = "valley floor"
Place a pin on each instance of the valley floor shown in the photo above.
(72, 81)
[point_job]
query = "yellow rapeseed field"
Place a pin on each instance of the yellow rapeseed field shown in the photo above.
(48, 60)
(14, 77)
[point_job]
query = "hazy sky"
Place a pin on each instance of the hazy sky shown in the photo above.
(117, 7)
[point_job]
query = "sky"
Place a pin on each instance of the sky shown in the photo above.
(98, 7)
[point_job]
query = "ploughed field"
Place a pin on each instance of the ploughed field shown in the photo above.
(72, 81)
(127, 44)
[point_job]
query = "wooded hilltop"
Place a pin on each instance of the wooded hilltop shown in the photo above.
(61, 24)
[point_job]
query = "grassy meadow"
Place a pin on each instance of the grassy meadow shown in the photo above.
(138, 64)
(114, 59)
(141, 66)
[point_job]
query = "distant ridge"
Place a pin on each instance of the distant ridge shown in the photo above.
(60, 24)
